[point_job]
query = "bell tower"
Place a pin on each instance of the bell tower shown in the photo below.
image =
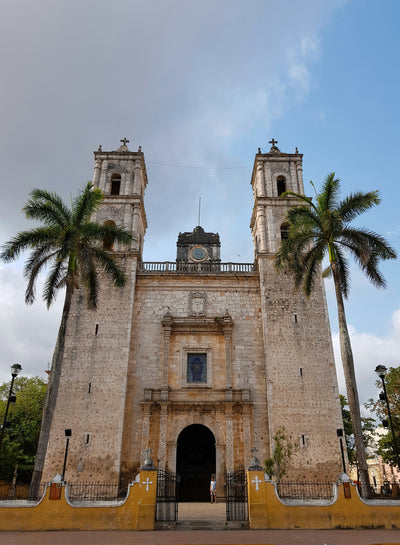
(301, 382)
(273, 174)
(121, 175)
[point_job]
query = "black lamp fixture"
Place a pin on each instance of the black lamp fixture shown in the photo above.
(15, 370)
(381, 371)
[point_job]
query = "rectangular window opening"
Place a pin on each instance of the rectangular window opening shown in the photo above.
(301, 371)
(97, 329)
(295, 318)
(303, 440)
(87, 438)
(90, 387)
(196, 368)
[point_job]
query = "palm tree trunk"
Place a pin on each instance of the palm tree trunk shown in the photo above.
(51, 395)
(350, 378)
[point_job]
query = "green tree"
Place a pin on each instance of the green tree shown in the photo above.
(324, 228)
(21, 438)
(277, 466)
(379, 407)
(368, 427)
(70, 245)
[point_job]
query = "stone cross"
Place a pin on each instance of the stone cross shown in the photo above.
(253, 451)
(124, 141)
(273, 142)
(147, 482)
(256, 481)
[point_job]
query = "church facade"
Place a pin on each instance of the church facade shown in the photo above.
(196, 359)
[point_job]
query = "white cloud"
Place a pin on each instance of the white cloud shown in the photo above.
(369, 350)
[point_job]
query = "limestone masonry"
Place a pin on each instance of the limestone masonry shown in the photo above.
(196, 359)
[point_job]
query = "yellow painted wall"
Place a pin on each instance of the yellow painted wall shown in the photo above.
(266, 511)
(136, 513)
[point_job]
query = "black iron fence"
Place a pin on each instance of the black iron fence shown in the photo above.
(305, 490)
(387, 491)
(95, 491)
(167, 496)
(8, 491)
(236, 495)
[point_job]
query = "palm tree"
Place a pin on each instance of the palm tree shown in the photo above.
(69, 244)
(324, 228)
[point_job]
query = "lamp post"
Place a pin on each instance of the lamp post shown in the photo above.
(68, 434)
(15, 369)
(381, 372)
(339, 433)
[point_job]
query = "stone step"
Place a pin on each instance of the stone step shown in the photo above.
(202, 525)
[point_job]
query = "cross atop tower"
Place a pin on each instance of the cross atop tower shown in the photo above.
(124, 141)
(273, 142)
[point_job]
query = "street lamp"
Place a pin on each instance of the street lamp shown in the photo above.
(381, 372)
(15, 369)
(339, 433)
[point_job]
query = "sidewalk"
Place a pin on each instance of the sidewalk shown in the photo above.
(233, 537)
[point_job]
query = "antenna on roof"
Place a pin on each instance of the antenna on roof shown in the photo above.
(198, 223)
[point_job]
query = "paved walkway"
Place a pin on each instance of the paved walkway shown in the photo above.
(264, 537)
(205, 512)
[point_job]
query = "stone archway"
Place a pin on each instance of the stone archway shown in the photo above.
(195, 463)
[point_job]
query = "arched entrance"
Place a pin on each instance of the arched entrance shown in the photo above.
(195, 462)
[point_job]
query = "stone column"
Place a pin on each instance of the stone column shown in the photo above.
(164, 363)
(300, 176)
(246, 435)
(103, 178)
(220, 470)
(97, 172)
(261, 228)
(268, 180)
(145, 429)
(271, 231)
(137, 178)
(294, 177)
(171, 456)
(229, 437)
(228, 350)
(162, 442)
(260, 182)
(133, 222)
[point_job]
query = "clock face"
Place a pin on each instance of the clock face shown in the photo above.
(199, 253)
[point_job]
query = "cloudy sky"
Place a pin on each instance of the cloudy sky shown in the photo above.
(200, 85)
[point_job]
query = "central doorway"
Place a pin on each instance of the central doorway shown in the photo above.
(195, 463)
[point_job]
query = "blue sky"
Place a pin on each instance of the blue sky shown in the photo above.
(200, 86)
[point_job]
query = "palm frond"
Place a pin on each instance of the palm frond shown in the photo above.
(85, 204)
(55, 279)
(11, 250)
(327, 198)
(312, 263)
(47, 207)
(110, 266)
(95, 232)
(357, 203)
(38, 259)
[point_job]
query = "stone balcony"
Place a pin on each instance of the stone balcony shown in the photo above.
(173, 267)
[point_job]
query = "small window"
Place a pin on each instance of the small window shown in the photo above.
(197, 368)
(108, 244)
(115, 184)
(281, 185)
(284, 231)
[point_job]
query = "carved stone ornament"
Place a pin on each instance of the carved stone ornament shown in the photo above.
(197, 303)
